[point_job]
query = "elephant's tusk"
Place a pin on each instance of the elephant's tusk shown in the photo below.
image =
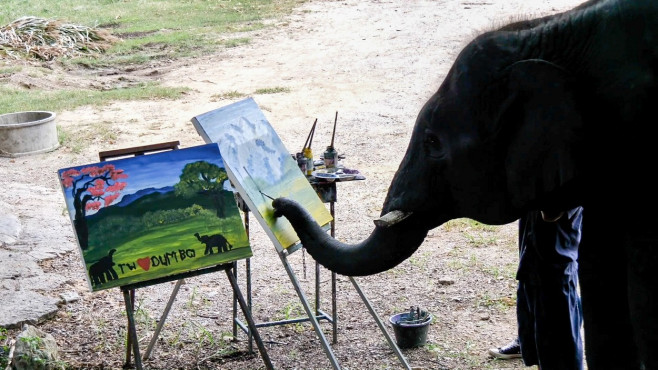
(391, 218)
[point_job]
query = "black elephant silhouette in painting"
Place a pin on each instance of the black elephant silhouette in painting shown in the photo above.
(102, 271)
(212, 241)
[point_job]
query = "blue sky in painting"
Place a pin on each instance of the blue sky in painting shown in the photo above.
(155, 170)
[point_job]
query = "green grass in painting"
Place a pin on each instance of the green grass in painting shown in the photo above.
(158, 229)
(174, 248)
(295, 186)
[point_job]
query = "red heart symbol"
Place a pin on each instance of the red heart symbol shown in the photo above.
(144, 263)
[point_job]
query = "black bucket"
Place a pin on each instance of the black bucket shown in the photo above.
(409, 335)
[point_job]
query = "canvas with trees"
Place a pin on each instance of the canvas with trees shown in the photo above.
(155, 215)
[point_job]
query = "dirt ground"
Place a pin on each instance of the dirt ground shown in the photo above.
(375, 62)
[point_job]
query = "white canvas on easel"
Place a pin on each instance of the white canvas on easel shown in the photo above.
(260, 167)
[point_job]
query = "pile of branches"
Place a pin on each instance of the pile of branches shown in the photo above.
(44, 39)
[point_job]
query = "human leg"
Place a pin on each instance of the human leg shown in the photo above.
(557, 324)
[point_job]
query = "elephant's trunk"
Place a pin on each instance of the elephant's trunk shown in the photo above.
(385, 248)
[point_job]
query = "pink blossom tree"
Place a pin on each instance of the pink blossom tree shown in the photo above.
(92, 188)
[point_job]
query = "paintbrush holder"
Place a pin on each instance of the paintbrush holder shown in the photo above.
(330, 158)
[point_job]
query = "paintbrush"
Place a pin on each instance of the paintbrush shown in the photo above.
(309, 138)
(334, 133)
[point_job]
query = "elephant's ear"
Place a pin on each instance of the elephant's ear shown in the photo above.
(544, 129)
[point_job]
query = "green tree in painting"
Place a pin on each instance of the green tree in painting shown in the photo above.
(91, 187)
(203, 178)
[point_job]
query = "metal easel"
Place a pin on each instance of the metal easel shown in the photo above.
(327, 192)
(132, 344)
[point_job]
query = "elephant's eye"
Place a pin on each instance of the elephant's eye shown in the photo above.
(432, 145)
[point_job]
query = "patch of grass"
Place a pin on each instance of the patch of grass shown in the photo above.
(12, 100)
(79, 137)
(228, 95)
(507, 271)
(293, 310)
(103, 342)
(462, 224)
(67, 139)
(442, 351)
(480, 239)
(157, 29)
(395, 272)
(191, 301)
(143, 317)
(420, 259)
(477, 233)
(272, 90)
(146, 31)
(236, 42)
(4, 348)
(500, 303)
(10, 69)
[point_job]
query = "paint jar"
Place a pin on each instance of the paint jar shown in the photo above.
(308, 155)
(301, 162)
(330, 157)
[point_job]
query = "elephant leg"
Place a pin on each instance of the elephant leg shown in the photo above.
(94, 279)
(643, 295)
(208, 250)
(603, 280)
(108, 275)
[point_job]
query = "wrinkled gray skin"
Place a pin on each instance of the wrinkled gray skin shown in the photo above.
(544, 114)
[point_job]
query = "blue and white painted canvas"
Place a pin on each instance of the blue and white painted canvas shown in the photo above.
(260, 166)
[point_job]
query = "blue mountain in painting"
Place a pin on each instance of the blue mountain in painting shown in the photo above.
(127, 199)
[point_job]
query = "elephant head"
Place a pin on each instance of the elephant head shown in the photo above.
(497, 139)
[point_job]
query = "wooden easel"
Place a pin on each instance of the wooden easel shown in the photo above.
(132, 344)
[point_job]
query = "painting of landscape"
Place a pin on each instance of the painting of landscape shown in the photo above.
(260, 166)
(151, 216)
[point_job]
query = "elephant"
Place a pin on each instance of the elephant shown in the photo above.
(214, 241)
(102, 270)
(540, 114)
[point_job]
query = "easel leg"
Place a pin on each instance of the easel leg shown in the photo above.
(248, 268)
(334, 309)
(158, 328)
(132, 331)
(309, 312)
(391, 342)
(250, 320)
(235, 303)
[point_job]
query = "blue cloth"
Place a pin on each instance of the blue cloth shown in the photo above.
(548, 305)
